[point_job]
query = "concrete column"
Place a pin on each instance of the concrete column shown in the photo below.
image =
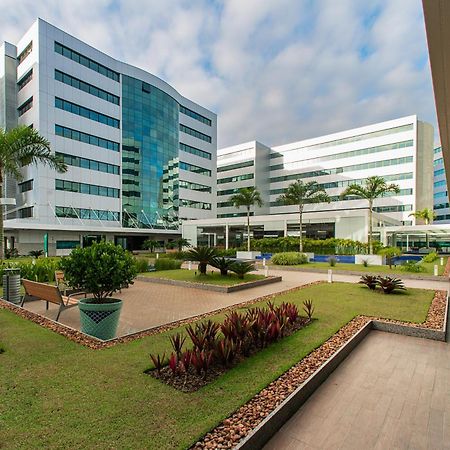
(226, 236)
(407, 242)
(285, 228)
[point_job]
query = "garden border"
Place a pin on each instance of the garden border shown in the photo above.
(282, 398)
(212, 287)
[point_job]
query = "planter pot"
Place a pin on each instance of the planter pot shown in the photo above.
(100, 319)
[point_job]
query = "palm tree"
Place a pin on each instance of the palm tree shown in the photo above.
(19, 147)
(301, 194)
(248, 197)
(150, 244)
(427, 215)
(181, 242)
(373, 188)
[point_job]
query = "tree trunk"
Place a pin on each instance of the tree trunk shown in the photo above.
(300, 221)
(248, 228)
(370, 227)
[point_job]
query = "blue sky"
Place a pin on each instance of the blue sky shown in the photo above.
(273, 70)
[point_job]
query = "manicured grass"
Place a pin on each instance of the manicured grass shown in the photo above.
(429, 268)
(57, 394)
(210, 278)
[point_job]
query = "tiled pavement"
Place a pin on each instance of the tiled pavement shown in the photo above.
(392, 392)
(148, 305)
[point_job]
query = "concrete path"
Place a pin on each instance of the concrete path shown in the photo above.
(392, 392)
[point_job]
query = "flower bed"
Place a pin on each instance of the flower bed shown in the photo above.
(233, 429)
(211, 355)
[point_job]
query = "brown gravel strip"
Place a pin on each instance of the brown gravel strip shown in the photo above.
(446, 272)
(91, 342)
(246, 418)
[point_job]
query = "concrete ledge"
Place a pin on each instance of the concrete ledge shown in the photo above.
(274, 421)
(406, 330)
(212, 287)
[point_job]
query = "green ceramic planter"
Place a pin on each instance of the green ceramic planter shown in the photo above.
(100, 320)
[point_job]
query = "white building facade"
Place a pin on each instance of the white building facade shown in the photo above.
(141, 157)
(401, 151)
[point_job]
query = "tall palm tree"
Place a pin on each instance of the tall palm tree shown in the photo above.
(248, 197)
(373, 188)
(19, 147)
(301, 194)
(427, 215)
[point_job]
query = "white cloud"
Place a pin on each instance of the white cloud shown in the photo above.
(273, 70)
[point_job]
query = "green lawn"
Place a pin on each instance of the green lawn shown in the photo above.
(429, 268)
(57, 394)
(210, 278)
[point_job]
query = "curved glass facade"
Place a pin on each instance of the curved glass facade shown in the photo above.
(150, 127)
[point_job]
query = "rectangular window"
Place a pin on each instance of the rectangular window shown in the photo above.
(357, 138)
(86, 112)
(195, 204)
(236, 166)
(25, 80)
(318, 173)
(27, 50)
(87, 62)
(86, 138)
(195, 115)
(66, 245)
(26, 186)
(194, 186)
(25, 212)
(24, 107)
(247, 176)
(194, 151)
(440, 194)
(440, 183)
(195, 169)
(84, 188)
(396, 208)
(195, 133)
(84, 163)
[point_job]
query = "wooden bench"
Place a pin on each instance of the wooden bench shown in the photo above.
(47, 293)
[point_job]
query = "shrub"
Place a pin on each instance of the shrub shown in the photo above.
(167, 264)
(222, 263)
(203, 255)
(240, 268)
(177, 341)
(101, 269)
(11, 253)
(308, 307)
(41, 270)
(231, 252)
(413, 266)
(141, 264)
(158, 361)
(370, 281)
(332, 261)
(36, 253)
(431, 257)
(389, 284)
(289, 258)
(150, 244)
(365, 262)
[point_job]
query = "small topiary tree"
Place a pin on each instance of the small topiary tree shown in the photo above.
(101, 269)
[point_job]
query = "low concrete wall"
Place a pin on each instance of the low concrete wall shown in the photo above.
(373, 260)
(274, 421)
(247, 255)
(426, 333)
(212, 287)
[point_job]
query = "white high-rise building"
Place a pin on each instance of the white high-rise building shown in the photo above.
(141, 157)
(400, 150)
(440, 194)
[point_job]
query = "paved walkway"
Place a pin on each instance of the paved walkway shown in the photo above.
(392, 392)
(148, 305)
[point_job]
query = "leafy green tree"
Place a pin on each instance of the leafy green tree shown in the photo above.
(180, 243)
(301, 194)
(150, 244)
(101, 269)
(390, 253)
(427, 215)
(19, 147)
(373, 188)
(247, 197)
